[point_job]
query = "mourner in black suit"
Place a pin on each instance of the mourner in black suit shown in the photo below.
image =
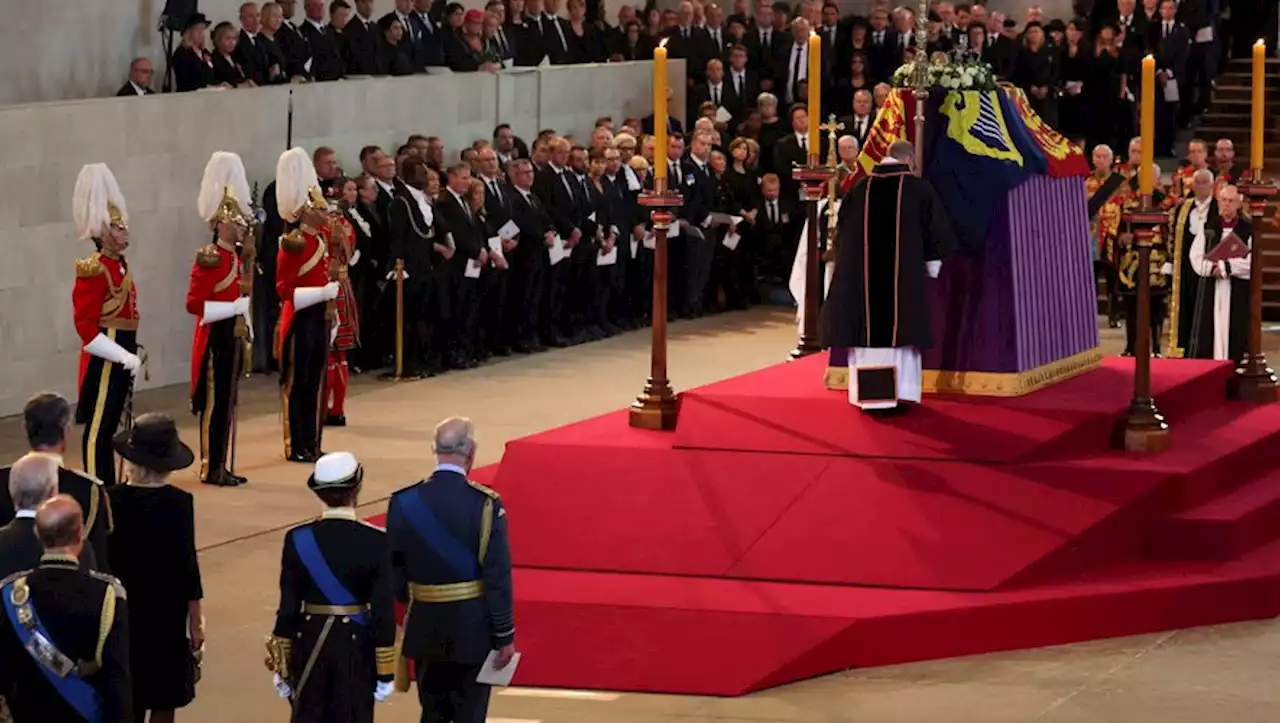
(691, 43)
(458, 317)
(1172, 48)
(293, 47)
(139, 82)
(333, 645)
(451, 564)
(254, 57)
(553, 33)
(763, 44)
(498, 197)
(83, 674)
(716, 91)
(361, 43)
(326, 58)
(700, 240)
(554, 186)
(792, 150)
(416, 242)
(529, 263)
(47, 418)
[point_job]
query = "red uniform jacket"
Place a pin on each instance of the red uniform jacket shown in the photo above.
(215, 276)
(104, 297)
(302, 262)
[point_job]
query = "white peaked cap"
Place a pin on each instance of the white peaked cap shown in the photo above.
(96, 190)
(335, 469)
(224, 173)
(295, 177)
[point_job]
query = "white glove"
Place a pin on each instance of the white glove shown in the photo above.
(333, 335)
(331, 291)
(106, 349)
(1167, 269)
(242, 306)
(218, 311)
(307, 296)
(391, 275)
(933, 268)
(282, 688)
(383, 691)
(355, 258)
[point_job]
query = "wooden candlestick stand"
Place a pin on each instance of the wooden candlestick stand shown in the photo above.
(655, 408)
(1143, 429)
(1254, 381)
(813, 179)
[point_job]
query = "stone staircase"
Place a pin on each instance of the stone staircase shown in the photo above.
(1228, 117)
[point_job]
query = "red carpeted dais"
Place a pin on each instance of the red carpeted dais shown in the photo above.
(779, 533)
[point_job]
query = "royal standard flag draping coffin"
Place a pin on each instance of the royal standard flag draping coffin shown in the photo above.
(1013, 308)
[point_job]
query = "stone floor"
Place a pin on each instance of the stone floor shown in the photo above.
(1225, 673)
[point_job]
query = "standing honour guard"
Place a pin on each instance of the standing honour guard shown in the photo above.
(105, 304)
(333, 647)
(342, 253)
(215, 297)
(305, 281)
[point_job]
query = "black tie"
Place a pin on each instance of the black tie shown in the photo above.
(497, 193)
(737, 84)
(675, 168)
(502, 41)
(804, 145)
(773, 211)
(795, 74)
(408, 28)
(715, 95)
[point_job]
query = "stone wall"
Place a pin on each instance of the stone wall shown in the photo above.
(158, 147)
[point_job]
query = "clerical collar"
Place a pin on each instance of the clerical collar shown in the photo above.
(338, 513)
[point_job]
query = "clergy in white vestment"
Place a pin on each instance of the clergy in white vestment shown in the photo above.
(1220, 318)
(893, 232)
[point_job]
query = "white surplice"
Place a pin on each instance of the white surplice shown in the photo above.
(1237, 268)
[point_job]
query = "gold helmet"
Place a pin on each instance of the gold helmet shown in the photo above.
(97, 203)
(297, 187)
(224, 191)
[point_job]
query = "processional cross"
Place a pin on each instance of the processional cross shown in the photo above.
(832, 127)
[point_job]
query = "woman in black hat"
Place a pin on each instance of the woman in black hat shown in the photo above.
(153, 553)
(191, 63)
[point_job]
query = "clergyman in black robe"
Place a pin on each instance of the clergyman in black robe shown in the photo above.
(1220, 322)
(893, 232)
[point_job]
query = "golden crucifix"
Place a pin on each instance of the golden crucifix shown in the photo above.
(832, 127)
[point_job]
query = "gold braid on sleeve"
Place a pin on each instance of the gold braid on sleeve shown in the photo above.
(279, 653)
(386, 658)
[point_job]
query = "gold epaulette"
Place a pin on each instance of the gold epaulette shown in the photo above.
(208, 257)
(89, 267)
(14, 576)
(386, 658)
(490, 493)
(293, 242)
(112, 581)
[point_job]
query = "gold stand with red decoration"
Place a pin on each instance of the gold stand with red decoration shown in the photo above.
(1254, 381)
(656, 408)
(1143, 429)
(813, 178)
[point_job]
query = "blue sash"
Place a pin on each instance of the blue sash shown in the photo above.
(304, 541)
(462, 561)
(78, 693)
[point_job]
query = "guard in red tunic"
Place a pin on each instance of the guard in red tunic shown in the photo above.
(215, 297)
(105, 305)
(342, 250)
(305, 283)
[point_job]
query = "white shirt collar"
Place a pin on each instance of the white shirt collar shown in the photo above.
(446, 467)
(252, 36)
(24, 515)
(419, 196)
(338, 513)
(319, 25)
(57, 458)
(465, 203)
(1202, 204)
(384, 185)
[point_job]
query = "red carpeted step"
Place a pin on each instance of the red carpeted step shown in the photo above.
(729, 637)
(1223, 527)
